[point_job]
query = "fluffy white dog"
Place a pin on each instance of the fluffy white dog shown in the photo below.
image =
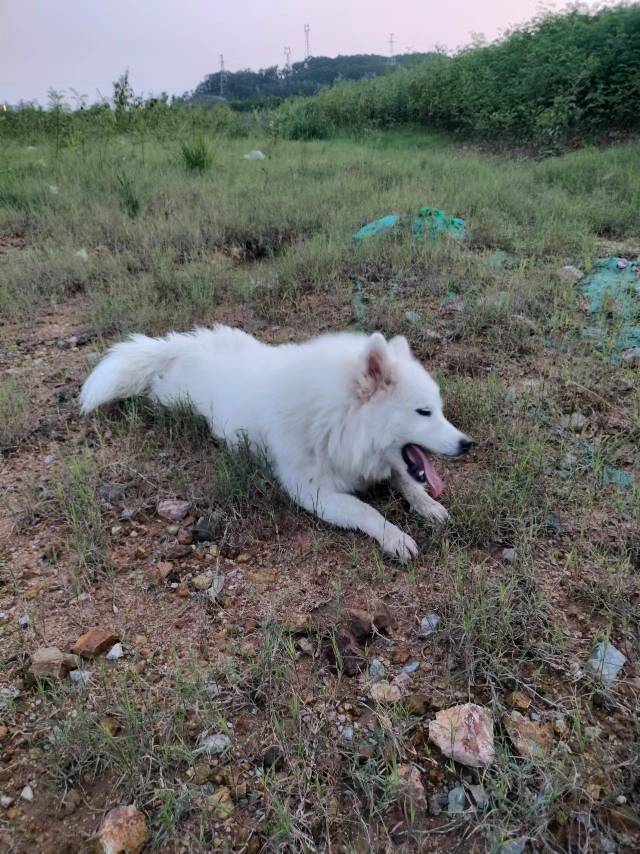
(334, 415)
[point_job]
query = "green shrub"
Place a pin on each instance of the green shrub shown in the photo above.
(196, 155)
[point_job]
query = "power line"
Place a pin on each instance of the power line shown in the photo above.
(222, 75)
(287, 57)
(307, 41)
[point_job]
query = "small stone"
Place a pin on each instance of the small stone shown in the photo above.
(465, 733)
(560, 728)
(71, 802)
(212, 688)
(376, 670)
(411, 667)
(428, 625)
(457, 800)
(208, 528)
(81, 678)
(27, 794)
(631, 357)
(110, 725)
(273, 757)
(514, 846)
(140, 553)
(163, 570)
(306, 646)
(417, 703)
(215, 587)
(576, 422)
(182, 590)
(219, 804)
(4, 732)
(571, 273)
(172, 509)
(435, 807)
(384, 692)
(509, 555)
(115, 652)
(410, 786)
(517, 700)
(7, 695)
(347, 733)
(82, 254)
(531, 740)
(6, 801)
(213, 745)
(124, 831)
(24, 621)
(606, 661)
(185, 537)
(400, 655)
(94, 642)
(479, 795)
(49, 661)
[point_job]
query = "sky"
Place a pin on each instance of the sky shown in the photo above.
(170, 45)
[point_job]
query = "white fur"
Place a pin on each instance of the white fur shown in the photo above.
(332, 413)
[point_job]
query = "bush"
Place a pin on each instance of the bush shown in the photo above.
(196, 155)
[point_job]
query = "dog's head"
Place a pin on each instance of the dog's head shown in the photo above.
(404, 404)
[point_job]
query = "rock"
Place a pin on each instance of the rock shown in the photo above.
(576, 422)
(215, 588)
(345, 653)
(273, 757)
(8, 694)
(363, 622)
(306, 646)
(400, 655)
(347, 733)
(115, 652)
(94, 642)
(410, 786)
(457, 800)
(202, 581)
(411, 667)
(27, 794)
(514, 846)
(428, 625)
(509, 555)
(208, 528)
(163, 570)
(184, 537)
(82, 254)
(213, 745)
(219, 804)
(49, 661)
(606, 661)
(4, 732)
(465, 733)
(124, 831)
(6, 801)
(631, 357)
(384, 692)
(517, 700)
(298, 624)
(24, 622)
(173, 509)
(81, 678)
(435, 806)
(413, 316)
(479, 796)
(182, 590)
(112, 493)
(531, 740)
(212, 688)
(71, 801)
(417, 703)
(376, 670)
(255, 154)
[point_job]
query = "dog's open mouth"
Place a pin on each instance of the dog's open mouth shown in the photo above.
(422, 469)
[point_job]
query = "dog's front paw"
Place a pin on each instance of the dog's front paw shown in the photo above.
(398, 544)
(430, 509)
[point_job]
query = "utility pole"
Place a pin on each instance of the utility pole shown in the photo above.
(287, 57)
(391, 52)
(221, 75)
(307, 42)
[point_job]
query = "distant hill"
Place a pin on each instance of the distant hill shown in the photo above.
(301, 78)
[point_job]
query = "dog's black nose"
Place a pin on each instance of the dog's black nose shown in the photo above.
(464, 445)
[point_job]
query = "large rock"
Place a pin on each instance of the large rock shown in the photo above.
(51, 662)
(94, 642)
(124, 831)
(172, 509)
(465, 733)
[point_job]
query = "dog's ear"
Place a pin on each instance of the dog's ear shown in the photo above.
(400, 346)
(378, 368)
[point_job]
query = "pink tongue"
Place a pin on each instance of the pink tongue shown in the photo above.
(436, 486)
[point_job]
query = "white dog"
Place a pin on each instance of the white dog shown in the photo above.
(334, 415)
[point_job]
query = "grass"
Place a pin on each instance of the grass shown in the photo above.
(196, 155)
(14, 414)
(267, 246)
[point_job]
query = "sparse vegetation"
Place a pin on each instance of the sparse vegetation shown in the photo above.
(539, 560)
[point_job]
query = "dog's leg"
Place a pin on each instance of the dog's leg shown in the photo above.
(419, 499)
(347, 511)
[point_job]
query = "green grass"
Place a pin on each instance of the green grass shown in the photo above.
(14, 414)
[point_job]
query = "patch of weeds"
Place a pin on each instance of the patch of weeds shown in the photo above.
(196, 155)
(127, 193)
(80, 506)
(14, 414)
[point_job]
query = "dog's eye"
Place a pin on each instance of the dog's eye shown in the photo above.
(426, 412)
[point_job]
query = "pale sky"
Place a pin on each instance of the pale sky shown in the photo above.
(171, 45)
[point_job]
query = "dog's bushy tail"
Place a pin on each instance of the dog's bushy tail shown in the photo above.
(126, 370)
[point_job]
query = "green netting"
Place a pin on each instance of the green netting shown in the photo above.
(612, 290)
(428, 222)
